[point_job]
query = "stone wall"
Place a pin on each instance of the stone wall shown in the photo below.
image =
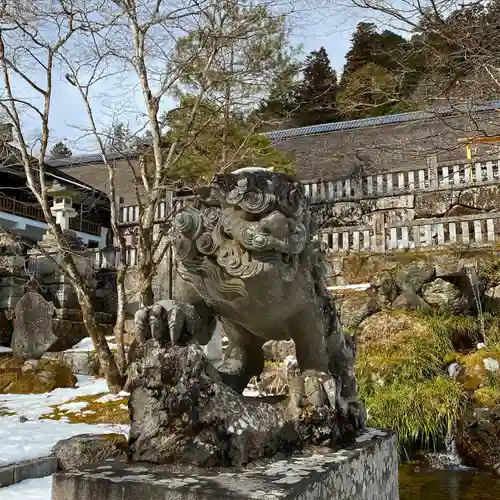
(358, 268)
(408, 207)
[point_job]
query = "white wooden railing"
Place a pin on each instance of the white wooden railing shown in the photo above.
(478, 230)
(434, 177)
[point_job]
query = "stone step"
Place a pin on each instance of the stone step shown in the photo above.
(366, 470)
(28, 469)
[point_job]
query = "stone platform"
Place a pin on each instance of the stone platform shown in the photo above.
(367, 470)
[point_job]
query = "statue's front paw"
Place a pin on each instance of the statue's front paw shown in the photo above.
(166, 322)
(313, 388)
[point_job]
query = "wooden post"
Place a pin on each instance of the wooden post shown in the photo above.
(379, 243)
(432, 168)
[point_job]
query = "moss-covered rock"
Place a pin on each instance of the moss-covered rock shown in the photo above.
(481, 369)
(18, 376)
(400, 345)
(84, 449)
(402, 375)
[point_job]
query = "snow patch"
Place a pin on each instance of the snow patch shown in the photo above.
(5, 349)
(73, 407)
(31, 489)
(86, 344)
(34, 439)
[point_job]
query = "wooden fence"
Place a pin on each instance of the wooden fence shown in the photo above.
(435, 177)
(478, 230)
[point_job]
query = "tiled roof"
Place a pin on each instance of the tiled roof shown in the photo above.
(81, 159)
(380, 120)
(313, 129)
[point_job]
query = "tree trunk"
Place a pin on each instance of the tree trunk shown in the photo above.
(119, 329)
(106, 359)
(146, 267)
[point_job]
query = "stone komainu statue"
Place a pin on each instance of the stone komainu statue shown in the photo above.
(246, 255)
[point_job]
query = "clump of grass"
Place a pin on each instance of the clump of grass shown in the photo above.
(487, 396)
(420, 412)
(453, 326)
(401, 345)
(95, 411)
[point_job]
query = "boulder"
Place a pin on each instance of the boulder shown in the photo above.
(478, 439)
(33, 376)
(413, 276)
(79, 362)
(278, 350)
(385, 287)
(84, 449)
(444, 296)
(410, 300)
(33, 327)
(354, 308)
(392, 343)
(479, 367)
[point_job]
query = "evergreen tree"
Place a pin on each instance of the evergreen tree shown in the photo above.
(221, 143)
(314, 98)
(120, 138)
(362, 51)
(60, 150)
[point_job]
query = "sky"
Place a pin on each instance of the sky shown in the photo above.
(313, 27)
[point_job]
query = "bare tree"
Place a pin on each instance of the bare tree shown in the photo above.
(32, 37)
(208, 55)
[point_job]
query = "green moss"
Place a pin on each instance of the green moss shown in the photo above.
(44, 376)
(400, 346)
(96, 412)
(5, 412)
(487, 396)
(418, 411)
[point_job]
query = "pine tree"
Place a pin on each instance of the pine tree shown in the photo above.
(363, 48)
(314, 99)
(120, 138)
(60, 150)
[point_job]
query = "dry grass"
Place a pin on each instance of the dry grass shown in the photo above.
(95, 412)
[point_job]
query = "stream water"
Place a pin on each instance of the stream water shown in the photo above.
(420, 483)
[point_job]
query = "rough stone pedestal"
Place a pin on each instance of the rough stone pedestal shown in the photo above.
(367, 470)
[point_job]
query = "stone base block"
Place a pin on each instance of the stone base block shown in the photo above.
(29, 469)
(367, 470)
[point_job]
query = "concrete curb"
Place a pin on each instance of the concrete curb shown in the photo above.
(29, 469)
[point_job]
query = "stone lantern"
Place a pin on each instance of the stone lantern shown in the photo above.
(62, 205)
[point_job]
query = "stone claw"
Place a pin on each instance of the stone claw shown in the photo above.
(142, 327)
(176, 323)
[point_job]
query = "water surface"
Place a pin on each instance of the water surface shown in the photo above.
(421, 483)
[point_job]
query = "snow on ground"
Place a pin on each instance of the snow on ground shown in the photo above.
(87, 345)
(24, 440)
(32, 406)
(35, 438)
(31, 489)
